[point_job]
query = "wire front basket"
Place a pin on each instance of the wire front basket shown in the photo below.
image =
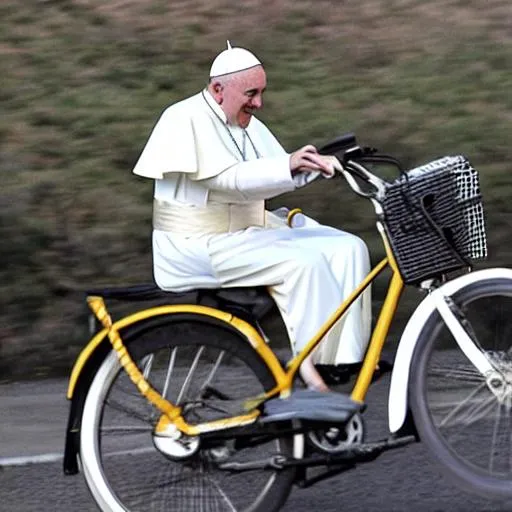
(434, 218)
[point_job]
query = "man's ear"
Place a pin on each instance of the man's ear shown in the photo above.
(217, 92)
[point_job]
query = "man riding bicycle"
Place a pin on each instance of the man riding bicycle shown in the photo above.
(214, 165)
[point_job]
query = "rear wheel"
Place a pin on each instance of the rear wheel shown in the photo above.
(462, 422)
(209, 370)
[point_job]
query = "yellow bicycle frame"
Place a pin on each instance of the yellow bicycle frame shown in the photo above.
(171, 414)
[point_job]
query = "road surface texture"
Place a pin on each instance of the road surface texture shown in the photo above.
(32, 429)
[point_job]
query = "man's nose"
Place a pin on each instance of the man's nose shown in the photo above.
(257, 102)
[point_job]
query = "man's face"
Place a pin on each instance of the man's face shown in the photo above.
(242, 94)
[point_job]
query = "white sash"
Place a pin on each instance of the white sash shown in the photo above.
(192, 220)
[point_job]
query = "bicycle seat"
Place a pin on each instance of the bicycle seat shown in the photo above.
(255, 300)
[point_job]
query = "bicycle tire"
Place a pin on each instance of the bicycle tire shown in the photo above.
(126, 472)
(457, 416)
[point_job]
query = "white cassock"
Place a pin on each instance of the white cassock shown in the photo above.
(211, 229)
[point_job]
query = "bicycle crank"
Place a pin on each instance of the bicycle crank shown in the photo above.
(338, 438)
(365, 452)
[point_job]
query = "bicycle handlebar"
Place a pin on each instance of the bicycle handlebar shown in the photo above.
(352, 168)
(351, 159)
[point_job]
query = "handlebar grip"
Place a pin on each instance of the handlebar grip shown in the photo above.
(339, 145)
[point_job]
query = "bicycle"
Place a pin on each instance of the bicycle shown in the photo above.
(178, 404)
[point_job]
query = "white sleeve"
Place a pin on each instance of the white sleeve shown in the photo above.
(256, 180)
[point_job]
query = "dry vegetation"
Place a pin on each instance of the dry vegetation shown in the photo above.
(84, 80)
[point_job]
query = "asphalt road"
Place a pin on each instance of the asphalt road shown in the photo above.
(32, 425)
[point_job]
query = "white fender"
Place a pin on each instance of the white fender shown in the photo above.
(397, 404)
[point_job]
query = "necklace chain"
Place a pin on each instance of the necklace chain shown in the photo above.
(245, 135)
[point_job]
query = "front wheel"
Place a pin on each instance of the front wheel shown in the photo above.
(209, 370)
(460, 420)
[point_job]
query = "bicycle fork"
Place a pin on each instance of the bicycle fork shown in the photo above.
(463, 333)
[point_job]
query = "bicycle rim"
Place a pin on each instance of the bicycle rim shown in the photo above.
(210, 373)
(460, 419)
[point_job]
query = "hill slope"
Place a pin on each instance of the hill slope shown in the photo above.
(83, 81)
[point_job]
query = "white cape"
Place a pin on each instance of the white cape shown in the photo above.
(190, 138)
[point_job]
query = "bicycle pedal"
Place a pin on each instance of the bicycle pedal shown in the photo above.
(305, 404)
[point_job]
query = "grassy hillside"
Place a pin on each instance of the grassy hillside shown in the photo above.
(83, 82)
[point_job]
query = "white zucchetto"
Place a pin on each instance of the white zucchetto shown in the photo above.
(232, 60)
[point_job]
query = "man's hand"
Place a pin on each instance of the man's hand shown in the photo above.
(307, 159)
